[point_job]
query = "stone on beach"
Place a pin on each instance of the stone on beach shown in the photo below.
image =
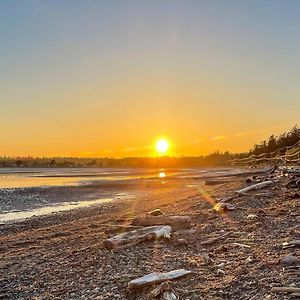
(289, 260)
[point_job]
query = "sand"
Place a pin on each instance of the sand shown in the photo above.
(61, 256)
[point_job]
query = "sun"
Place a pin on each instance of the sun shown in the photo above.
(162, 146)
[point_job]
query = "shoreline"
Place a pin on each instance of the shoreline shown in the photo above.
(61, 256)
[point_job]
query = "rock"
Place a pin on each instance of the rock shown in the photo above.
(294, 196)
(181, 242)
(294, 183)
(289, 260)
(156, 212)
(252, 217)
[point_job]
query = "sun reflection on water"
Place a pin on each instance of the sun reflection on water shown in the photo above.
(162, 175)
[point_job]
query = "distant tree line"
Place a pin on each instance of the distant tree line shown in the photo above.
(215, 159)
(274, 143)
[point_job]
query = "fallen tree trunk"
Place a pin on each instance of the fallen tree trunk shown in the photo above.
(155, 278)
(253, 187)
(176, 222)
(137, 236)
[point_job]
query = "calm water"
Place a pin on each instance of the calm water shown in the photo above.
(35, 177)
(27, 192)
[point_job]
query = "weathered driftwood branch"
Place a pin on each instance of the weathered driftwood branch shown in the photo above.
(286, 289)
(256, 186)
(155, 278)
(176, 222)
(137, 236)
(214, 240)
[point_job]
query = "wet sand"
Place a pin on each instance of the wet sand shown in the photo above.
(61, 255)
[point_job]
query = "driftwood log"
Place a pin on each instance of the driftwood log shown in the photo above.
(286, 289)
(253, 187)
(176, 222)
(155, 278)
(137, 236)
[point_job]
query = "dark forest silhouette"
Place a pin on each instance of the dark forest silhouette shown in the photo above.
(274, 143)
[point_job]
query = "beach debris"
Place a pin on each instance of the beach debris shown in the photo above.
(222, 207)
(294, 243)
(156, 277)
(253, 187)
(293, 183)
(220, 272)
(294, 195)
(207, 259)
(242, 245)
(289, 260)
(181, 242)
(137, 236)
(220, 265)
(176, 222)
(286, 289)
(215, 239)
(156, 212)
(252, 217)
(164, 286)
(252, 179)
(248, 260)
(169, 296)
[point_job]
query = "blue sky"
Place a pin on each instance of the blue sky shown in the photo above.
(79, 77)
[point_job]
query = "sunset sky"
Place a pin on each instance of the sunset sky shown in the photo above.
(108, 78)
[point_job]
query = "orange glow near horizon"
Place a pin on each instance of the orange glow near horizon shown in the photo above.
(108, 79)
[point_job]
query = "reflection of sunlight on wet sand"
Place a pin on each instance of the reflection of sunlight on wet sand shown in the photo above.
(14, 216)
